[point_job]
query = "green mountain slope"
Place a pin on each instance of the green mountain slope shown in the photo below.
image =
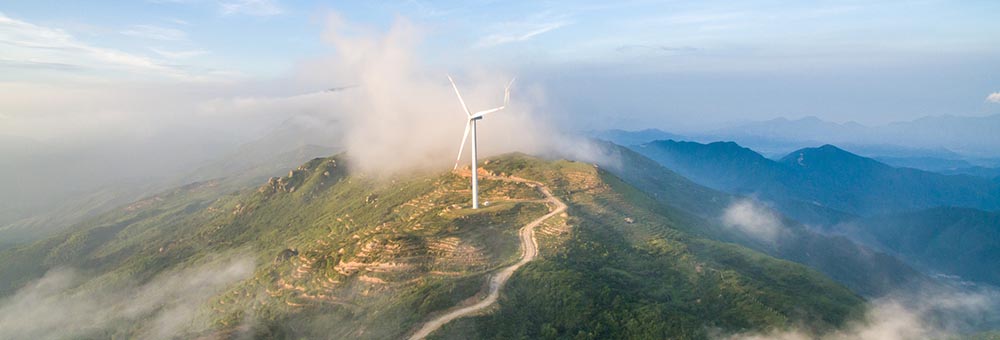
(868, 272)
(953, 241)
(339, 255)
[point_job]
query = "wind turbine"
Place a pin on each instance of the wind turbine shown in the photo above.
(470, 124)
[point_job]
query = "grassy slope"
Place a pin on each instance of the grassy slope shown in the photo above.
(376, 256)
(608, 278)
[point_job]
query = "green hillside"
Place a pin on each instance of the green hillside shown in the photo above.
(953, 241)
(338, 254)
(867, 272)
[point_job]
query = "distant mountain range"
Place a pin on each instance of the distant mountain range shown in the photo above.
(939, 223)
(926, 143)
(865, 271)
(826, 176)
(953, 241)
(973, 136)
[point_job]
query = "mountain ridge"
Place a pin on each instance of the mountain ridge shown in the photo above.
(348, 255)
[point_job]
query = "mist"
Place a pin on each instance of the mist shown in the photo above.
(393, 112)
(61, 305)
(927, 312)
(404, 114)
(753, 219)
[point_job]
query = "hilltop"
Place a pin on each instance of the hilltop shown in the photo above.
(327, 252)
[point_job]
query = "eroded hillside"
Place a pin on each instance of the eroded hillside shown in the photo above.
(337, 254)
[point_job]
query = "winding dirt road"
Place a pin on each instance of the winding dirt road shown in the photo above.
(529, 250)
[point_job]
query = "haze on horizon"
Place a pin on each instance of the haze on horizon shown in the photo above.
(154, 89)
(79, 71)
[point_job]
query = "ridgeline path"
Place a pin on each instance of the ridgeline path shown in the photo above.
(529, 250)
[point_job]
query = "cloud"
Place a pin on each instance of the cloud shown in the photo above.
(753, 219)
(155, 33)
(525, 33)
(930, 312)
(29, 47)
(993, 97)
(655, 48)
(251, 7)
(39, 65)
(58, 306)
(403, 114)
(187, 54)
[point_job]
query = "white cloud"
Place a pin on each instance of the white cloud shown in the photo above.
(993, 97)
(57, 306)
(251, 7)
(526, 32)
(925, 313)
(29, 48)
(754, 220)
(155, 33)
(186, 54)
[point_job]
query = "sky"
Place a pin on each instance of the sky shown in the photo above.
(79, 69)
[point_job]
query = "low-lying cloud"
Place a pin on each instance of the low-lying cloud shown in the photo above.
(753, 220)
(926, 313)
(404, 114)
(993, 97)
(57, 306)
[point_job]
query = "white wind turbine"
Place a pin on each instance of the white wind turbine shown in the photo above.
(471, 124)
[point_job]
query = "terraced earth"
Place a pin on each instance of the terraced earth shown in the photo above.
(529, 249)
(340, 254)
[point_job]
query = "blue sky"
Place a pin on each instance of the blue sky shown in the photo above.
(625, 63)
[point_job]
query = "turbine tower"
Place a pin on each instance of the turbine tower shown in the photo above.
(470, 125)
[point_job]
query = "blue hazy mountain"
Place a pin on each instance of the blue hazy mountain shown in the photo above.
(933, 221)
(623, 137)
(825, 177)
(954, 241)
(969, 136)
(864, 270)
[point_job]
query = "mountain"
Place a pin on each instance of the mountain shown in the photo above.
(51, 199)
(864, 270)
(855, 184)
(826, 178)
(953, 241)
(622, 137)
(969, 136)
(925, 163)
(326, 252)
(979, 171)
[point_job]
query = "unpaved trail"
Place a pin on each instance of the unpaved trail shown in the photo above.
(529, 250)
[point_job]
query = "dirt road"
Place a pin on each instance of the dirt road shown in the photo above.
(529, 250)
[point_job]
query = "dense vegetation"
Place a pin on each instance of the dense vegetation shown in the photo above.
(867, 272)
(342, 255)
(626, 271)
(953, 241)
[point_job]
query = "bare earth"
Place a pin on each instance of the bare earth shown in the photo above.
(529, 250)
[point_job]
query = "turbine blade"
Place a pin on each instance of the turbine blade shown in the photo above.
(506, 99)
(461, 147)
(459, 96)
(506, 91)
